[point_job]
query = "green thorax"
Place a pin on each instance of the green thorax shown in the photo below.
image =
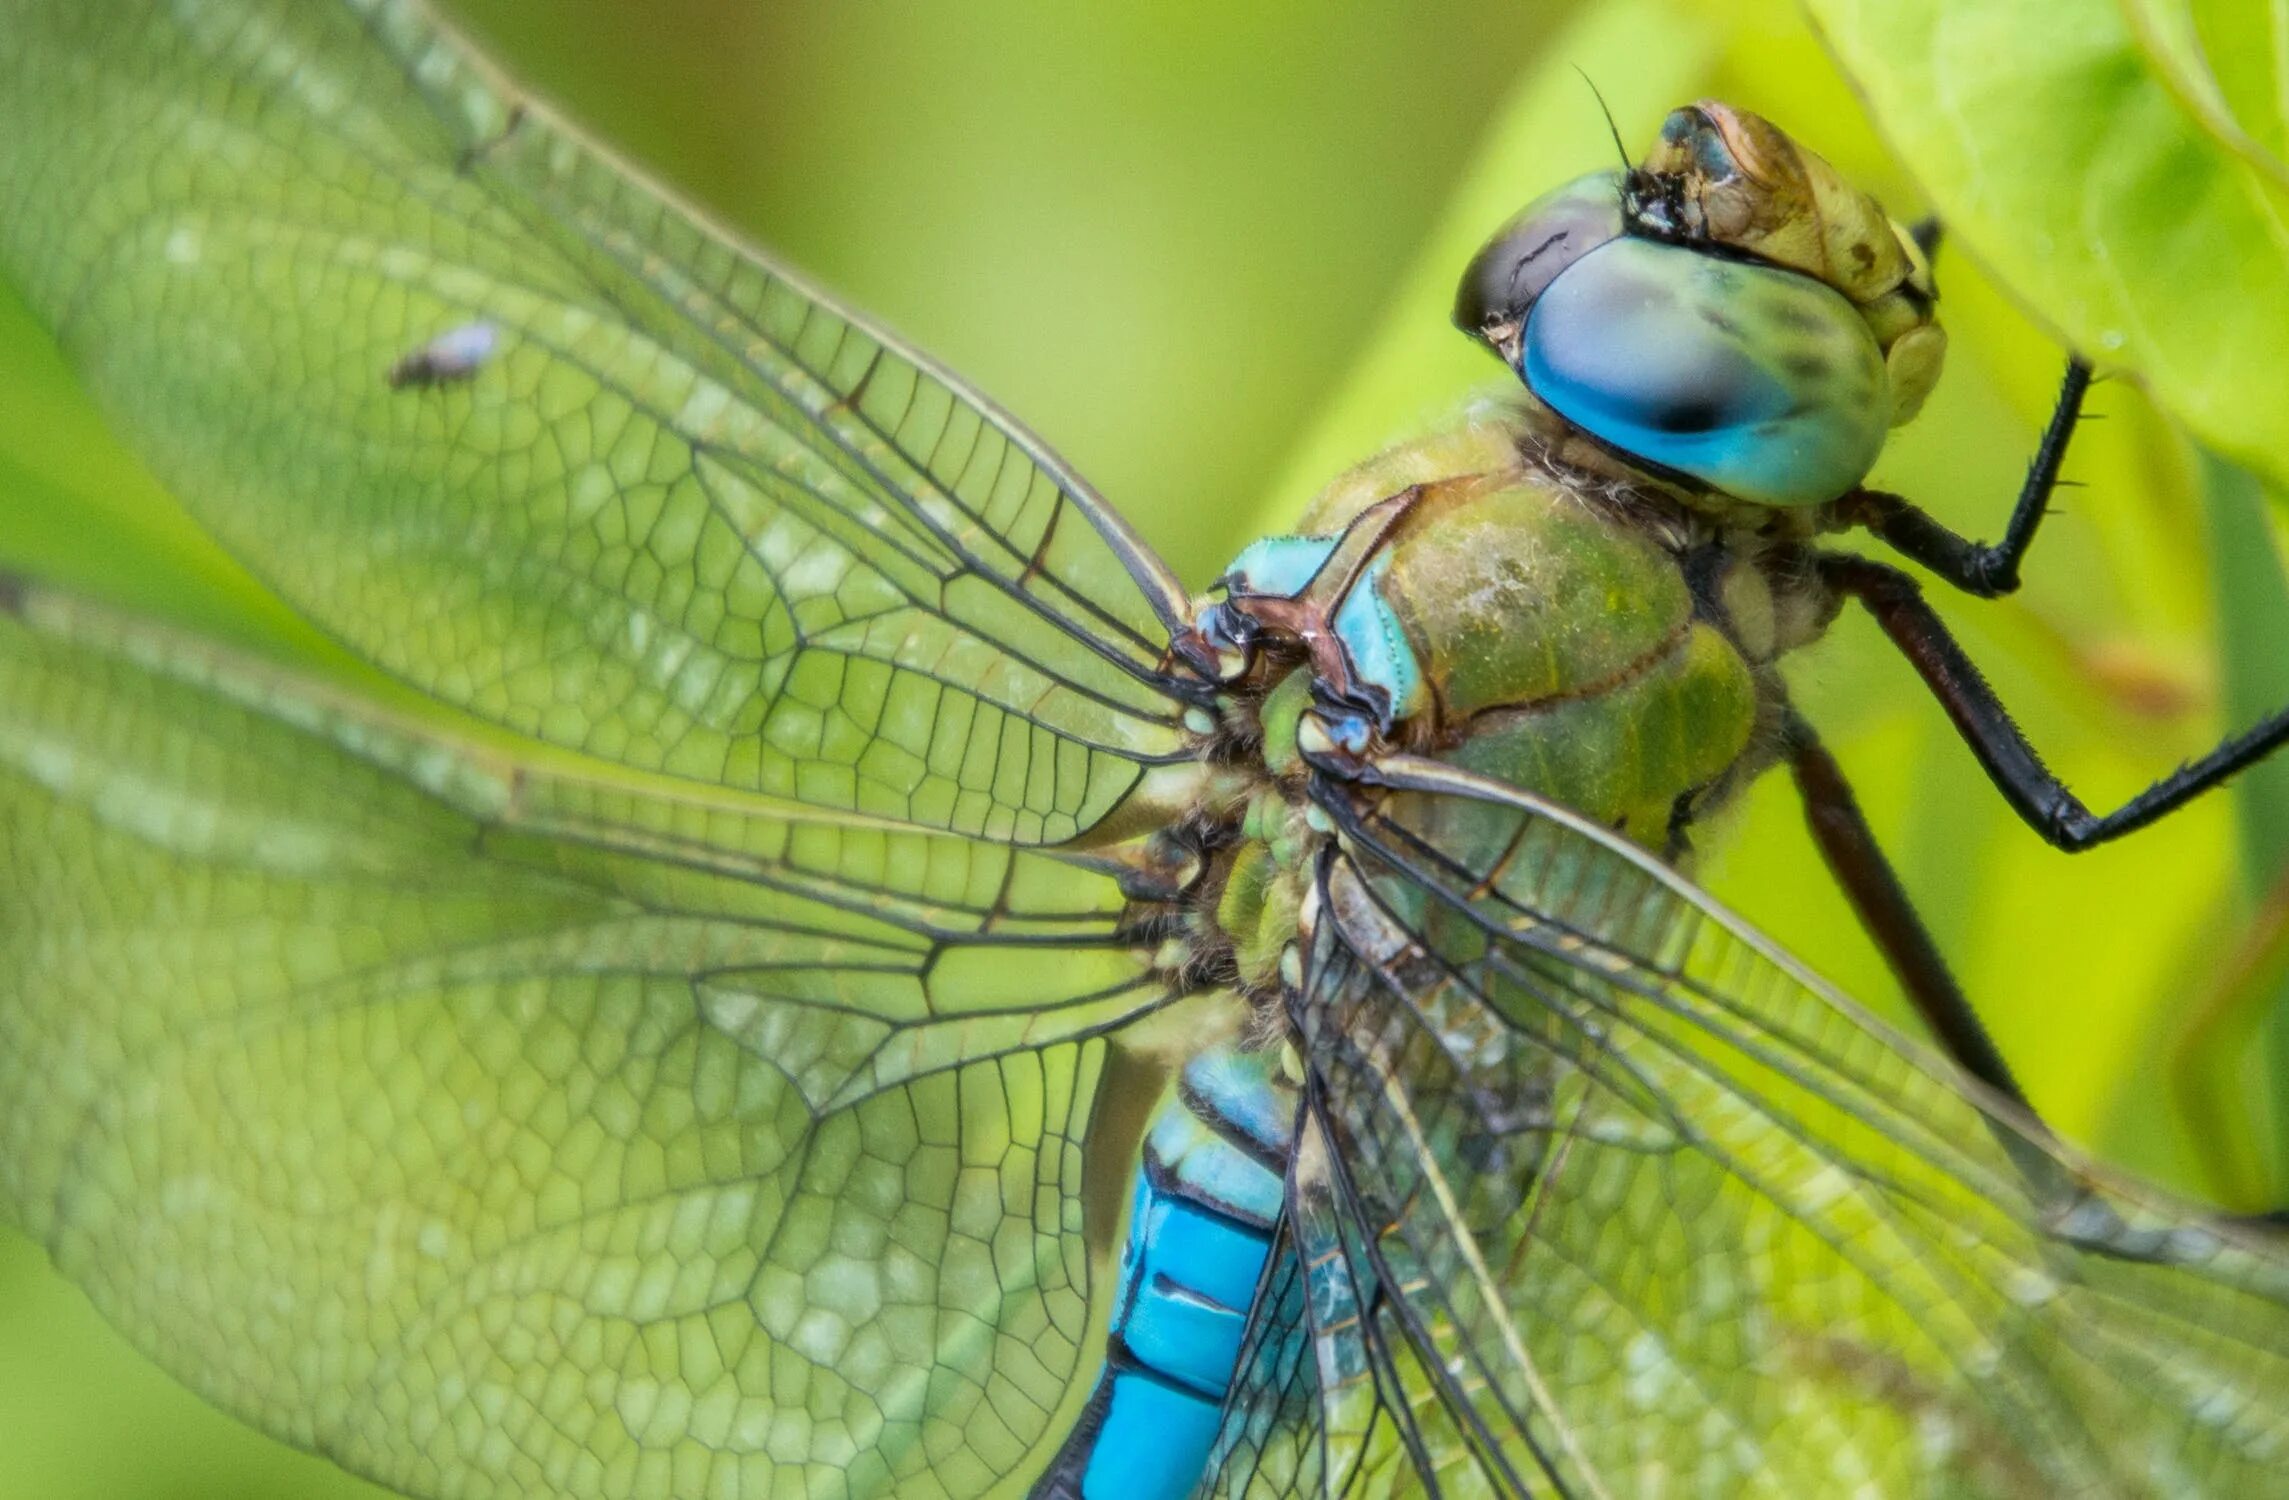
(1463, 596)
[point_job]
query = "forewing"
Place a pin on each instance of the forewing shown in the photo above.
(1657, 1213)
(513, 424)
(496, 1131)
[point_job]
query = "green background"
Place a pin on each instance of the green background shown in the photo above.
(1205, 251)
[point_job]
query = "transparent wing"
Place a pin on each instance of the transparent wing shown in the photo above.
(538, 440)
(495, 1131)
(1329, 1400)
(1653, 1212)
(1270, 1445)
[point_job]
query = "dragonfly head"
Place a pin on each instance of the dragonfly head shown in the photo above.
(1730, 312)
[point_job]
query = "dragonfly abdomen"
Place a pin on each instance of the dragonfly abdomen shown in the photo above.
(1207, 1197)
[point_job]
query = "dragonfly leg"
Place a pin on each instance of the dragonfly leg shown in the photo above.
(1982, 568)
(1850, 848)
(2035, 794)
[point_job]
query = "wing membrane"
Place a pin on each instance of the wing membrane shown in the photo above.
(494, 1130)
(1268, 1446)
(1330, 1400)
(527, 433)
(1661, 1214)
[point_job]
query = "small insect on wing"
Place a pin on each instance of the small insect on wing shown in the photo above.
(452, 356)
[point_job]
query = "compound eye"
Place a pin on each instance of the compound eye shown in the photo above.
(1526, 254)
(1761, 383)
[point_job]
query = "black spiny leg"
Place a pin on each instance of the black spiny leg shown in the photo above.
(1858, 862)
(2037, 796)
(1982, 568)
(1988, 570)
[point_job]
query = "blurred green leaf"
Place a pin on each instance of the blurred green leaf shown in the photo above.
(2224, 59)
(2125, 190)
(2253, 621)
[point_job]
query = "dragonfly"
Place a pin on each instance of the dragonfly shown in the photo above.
(804, 962)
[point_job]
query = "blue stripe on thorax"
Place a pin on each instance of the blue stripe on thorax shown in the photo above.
(1200, 1226)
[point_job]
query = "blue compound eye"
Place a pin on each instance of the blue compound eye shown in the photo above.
(1758, 382)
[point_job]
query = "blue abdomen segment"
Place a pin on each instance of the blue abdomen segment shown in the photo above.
(1207, 1196)
(1153, 1440)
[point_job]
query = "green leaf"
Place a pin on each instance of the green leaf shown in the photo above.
(2253, 619)
(2125, 190)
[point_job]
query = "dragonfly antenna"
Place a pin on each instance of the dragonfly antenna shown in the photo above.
(1611, 128)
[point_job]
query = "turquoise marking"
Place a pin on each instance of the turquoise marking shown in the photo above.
(1200, 1230)
(1377, 645)
(1279, 567)
(1761, 383)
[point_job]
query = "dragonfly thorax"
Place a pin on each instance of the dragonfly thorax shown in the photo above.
(1582, 591)
(1472, 597)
